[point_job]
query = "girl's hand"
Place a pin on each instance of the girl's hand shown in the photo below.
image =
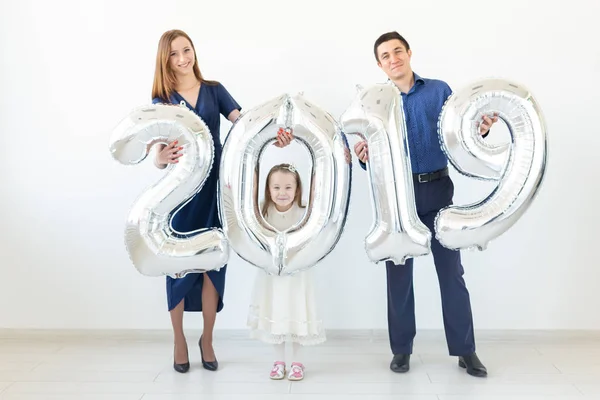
(348, 156)
(284, 137)
(169, 154)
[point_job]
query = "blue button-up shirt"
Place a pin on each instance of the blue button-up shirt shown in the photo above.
(422, 107)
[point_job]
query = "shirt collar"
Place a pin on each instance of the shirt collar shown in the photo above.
(418, 81)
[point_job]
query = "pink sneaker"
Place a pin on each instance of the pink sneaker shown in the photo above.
(297, 372)
(278, 370)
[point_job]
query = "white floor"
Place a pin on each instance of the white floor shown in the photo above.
(351, 365)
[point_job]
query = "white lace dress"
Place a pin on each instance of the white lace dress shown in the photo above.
(284, 308)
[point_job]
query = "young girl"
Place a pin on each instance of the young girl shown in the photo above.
(283, 308)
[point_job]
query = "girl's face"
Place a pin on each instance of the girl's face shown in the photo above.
(282, 186)
(181, 57)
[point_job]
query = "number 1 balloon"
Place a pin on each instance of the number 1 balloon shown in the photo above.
(397, 233)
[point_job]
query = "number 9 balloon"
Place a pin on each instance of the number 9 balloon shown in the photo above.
(518, 167)
(153, 246)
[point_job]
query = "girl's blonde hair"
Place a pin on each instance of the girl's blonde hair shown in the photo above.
(290, 170)
(164, 77)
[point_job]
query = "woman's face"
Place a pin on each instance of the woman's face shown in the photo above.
(181, 57)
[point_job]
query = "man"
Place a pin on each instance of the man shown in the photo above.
(423, 101)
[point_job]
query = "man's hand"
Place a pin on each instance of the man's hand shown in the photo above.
(362, 152)
(487, 123)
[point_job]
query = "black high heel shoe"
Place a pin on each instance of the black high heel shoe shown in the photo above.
(209, 365)
(182, 368)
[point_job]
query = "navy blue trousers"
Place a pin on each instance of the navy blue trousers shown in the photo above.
(430, 197)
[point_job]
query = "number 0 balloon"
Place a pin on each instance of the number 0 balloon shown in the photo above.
(302, 246)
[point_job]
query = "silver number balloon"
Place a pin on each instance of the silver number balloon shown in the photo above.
(154, 247)
(518, 167)
(250, 236)
(377, 116)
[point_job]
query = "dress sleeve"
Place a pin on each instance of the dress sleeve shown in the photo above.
(226, 102)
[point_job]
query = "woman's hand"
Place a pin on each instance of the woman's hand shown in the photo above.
(169, 154)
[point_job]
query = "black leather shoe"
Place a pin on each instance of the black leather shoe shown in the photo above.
(400, 363)
(181, 368)
(473, 365)
(209, 365)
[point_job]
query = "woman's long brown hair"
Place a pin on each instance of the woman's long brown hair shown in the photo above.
(288, 169)
(165, 80)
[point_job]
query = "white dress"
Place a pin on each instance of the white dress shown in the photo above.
(283, 308)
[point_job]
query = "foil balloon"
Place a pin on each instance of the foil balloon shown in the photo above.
(154, 248)
(518, 166)
(250, 236)
(376, 115)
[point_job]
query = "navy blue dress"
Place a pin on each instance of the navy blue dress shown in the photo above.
(202, 210)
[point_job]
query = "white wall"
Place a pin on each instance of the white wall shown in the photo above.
(71, 70)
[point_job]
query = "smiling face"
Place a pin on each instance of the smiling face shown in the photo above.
(394, 59)
(283, 189)
(181, 56)
(175, 59)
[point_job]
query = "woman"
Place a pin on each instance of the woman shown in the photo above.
(177, 79)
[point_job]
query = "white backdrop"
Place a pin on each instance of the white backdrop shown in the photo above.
(71, 70)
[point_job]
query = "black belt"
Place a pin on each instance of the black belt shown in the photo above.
(430, 176)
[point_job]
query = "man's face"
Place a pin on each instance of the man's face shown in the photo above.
(394, 59)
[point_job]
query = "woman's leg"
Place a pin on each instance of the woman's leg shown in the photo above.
(181, 352)
(210, 301)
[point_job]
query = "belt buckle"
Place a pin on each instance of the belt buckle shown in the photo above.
(420, 176)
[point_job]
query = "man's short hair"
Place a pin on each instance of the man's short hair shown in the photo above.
(386, 37)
